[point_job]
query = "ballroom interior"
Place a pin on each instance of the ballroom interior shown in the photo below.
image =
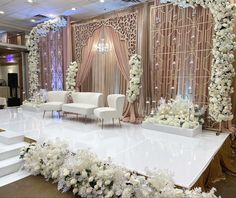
(117, 98)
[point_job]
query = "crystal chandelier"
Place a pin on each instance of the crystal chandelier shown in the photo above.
(102, 46)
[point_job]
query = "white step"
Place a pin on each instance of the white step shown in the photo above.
(8, 151)
(9, 137)
(5, 180)
(10, 165)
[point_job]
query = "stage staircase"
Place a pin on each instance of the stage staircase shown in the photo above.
(11, 144)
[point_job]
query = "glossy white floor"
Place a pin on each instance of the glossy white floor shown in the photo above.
(130, 146)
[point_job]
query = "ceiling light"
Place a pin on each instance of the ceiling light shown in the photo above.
(30, 1)
(73, 9)
(32, 20)
(102, 1)
(2, 12)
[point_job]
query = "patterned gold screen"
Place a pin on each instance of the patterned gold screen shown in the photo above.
(182, 52)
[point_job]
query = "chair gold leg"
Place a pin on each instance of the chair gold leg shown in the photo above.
(59, 114)
(119, 122)
(113, 121)
(44, 113)
(102, 123)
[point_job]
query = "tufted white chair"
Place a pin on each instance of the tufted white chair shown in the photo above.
(115, 109)
(55, 101)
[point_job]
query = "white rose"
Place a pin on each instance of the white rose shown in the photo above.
(66, 172)
(73, 181)
(75, 190)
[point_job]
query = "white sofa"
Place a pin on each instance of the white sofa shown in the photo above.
(84, 103)
(55, 101)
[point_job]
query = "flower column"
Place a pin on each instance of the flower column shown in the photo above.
(133, 91)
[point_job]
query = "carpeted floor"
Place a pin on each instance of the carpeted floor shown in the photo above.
(36, 187)
(226, 188)
(32, 187)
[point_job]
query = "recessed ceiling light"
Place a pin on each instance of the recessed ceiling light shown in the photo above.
(2, 12)
(102, 1)
(30, 1)
(32, 20)
(73, 9)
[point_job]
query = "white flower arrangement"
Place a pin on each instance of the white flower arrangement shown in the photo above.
(179, 113)
(36, 33)
(222, 72)
(44, 159)
(71, 77)
(136, 72)
(87, 176)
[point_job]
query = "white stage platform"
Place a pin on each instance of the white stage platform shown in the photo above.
(130, 146)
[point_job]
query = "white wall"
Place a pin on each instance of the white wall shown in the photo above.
(4, 70)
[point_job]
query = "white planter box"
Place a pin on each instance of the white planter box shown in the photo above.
(173, 130)
(30, 107)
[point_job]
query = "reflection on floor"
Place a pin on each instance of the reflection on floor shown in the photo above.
(130, 146)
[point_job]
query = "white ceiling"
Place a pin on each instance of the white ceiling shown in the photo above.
(19, 12)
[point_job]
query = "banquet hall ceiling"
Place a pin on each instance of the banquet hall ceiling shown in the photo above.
(19, 13)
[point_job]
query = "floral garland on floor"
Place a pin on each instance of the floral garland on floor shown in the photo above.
(222, 73)
(71, 77)
(36, 33)
(179, 113)
(87, 176)
(136, 72)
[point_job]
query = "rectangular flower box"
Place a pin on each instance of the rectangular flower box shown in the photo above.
(173, 130)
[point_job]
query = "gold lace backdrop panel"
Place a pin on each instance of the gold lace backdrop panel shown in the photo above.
(124, 24)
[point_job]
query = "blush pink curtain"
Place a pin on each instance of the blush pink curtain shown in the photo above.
(55, 55)
(67, 47)
(51, 61)
(88, 54)
(121, 52)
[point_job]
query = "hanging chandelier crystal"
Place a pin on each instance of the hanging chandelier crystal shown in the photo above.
(102, 46)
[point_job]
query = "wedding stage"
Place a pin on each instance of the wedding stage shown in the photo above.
(131, 146)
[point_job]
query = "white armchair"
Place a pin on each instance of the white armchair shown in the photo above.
(55, 101)
(114, 111)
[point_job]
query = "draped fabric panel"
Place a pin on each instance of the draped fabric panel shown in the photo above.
(143, 49)
(107, 73)
(51, 62)
(105, 76)
(88, 53)
(55, 55)
(67, 47)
